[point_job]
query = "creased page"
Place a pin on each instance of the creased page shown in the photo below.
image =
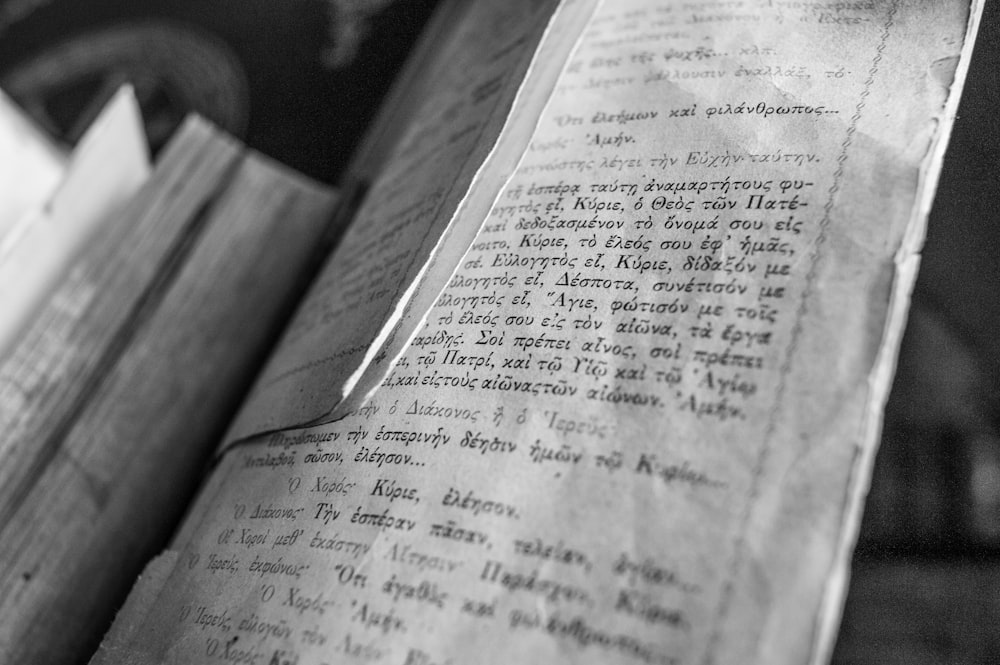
(635, 426)
(375, 272)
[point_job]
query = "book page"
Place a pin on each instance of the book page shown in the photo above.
(113, 401)
(410, 210)
(636, 426)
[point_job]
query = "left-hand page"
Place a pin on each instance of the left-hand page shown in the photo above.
(117, 392)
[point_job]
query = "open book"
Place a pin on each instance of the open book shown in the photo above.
(594, 374)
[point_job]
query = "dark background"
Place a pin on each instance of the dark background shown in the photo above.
(296, 79)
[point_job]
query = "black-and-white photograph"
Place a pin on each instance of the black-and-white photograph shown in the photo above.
(440, 332)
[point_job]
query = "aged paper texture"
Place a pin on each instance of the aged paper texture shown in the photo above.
(633, 426)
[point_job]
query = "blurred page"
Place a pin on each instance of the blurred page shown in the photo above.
(105, 170)
(30, 168)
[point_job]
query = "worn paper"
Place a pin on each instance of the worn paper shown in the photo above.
(635, 425)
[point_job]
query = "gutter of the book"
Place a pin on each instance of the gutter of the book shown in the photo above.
(634, 424)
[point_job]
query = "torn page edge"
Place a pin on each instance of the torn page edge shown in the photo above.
(349, 400)
(906, 262)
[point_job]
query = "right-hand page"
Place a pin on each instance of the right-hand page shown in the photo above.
(688, 302)
(742, 188)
